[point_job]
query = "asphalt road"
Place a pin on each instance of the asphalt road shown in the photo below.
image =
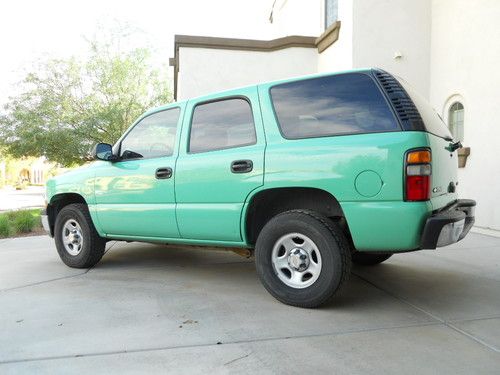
(147, 309)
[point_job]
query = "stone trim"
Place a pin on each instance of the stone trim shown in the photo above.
(244, 44)
(330, 36)
(191, 41)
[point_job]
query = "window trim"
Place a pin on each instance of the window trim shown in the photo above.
(137, 122)
(220, 99)
(396, 120)
(455, 136)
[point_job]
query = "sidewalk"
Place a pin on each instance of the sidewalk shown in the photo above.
(12, 199)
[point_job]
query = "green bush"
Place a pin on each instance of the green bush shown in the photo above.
(24, 222)
(5, 230)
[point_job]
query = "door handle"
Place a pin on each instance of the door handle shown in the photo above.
(241, 166)
(163, 173)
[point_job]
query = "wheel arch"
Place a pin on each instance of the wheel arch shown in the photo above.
(58, 202)
(267, 203)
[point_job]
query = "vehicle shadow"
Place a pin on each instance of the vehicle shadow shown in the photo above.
(436, 288)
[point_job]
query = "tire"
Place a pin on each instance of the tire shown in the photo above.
(367, 259)
(326, 250)
(86, 247)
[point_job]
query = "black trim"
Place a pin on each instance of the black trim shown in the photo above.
(458, 210)
(406, 111)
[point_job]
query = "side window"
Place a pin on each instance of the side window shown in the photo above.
(222, 124)
(456, 121)
(152, 137)
(332, 105)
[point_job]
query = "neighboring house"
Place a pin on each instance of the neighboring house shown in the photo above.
(28, 170)
(447, 49)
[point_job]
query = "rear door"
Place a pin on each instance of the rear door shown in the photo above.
(220, 162)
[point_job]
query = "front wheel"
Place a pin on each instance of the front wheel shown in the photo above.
(302, 258)
(77, 241)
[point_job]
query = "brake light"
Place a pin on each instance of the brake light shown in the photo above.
(418, 173)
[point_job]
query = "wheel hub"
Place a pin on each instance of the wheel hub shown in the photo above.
(298, 259)
(72, 237)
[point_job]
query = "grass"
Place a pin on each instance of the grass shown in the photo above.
(21, 222)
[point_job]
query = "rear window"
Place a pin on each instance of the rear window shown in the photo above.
(333, 105)
(432, 121)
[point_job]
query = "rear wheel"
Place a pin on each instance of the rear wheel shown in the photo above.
(77, 241)
(367, 259)
(302, 258)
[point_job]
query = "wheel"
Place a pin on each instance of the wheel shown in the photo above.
(77, 241)
(367, 259)
(302, 258)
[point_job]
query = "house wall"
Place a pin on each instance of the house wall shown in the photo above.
(204, 70)
(339, 56)
(465, 52)
(297, 17)
(385, 27)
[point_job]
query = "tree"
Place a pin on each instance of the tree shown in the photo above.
(67, 105)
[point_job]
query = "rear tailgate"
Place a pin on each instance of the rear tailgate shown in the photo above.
(444, 173)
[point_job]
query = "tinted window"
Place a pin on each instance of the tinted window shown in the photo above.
(222, 124)
(152, 137)
(334, 105)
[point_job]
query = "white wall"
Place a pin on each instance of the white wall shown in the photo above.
(384, 27)
(205, 70)
(339, 55)
(297, 17)
(465, 53)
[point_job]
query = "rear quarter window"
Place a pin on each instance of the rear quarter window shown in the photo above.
(333, 105)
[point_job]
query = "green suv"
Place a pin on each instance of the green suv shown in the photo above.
(309, 174)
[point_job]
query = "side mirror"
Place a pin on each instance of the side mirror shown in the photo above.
(103, 151)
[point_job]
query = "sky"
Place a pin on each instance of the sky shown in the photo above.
(33, 30)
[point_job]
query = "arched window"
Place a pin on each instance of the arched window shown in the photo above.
(456, 121)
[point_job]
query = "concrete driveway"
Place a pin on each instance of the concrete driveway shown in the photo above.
(147, 309)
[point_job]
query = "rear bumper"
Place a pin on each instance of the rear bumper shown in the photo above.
(449, 225)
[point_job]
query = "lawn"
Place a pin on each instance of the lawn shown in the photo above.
(20, 223)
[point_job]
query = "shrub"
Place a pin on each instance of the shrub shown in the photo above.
(5, 230)
(24, 222)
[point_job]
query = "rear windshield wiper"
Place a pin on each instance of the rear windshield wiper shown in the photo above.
(454, 146)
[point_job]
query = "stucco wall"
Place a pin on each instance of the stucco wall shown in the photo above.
(384, 27)
(297, 17)
(339, 55)
(465, 52)
(204, 70)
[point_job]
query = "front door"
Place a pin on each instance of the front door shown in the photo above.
(135, 195)
(220, 163)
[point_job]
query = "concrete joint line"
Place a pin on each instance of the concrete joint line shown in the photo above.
(433, 316)
(234, 342)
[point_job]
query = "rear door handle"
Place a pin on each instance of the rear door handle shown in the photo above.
(163, 173)
(241, 166)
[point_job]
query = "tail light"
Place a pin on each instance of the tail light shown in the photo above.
(418, 173)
